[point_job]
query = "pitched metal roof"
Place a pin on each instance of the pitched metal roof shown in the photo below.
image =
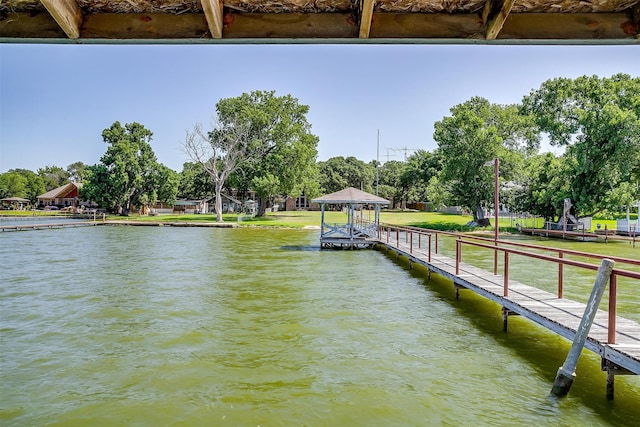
(60, 191)
(351, 195)
(321, 21)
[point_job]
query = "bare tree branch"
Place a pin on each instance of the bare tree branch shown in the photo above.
(220, 152)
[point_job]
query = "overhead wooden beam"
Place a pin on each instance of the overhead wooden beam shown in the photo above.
(495, 25)
(366, 15)
(26, 25)
(213, 13)
(565, 26)
(426, 25)
(67, 14)
(290, 26)
(144, 26)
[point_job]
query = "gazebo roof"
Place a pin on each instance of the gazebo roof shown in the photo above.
(351, 195)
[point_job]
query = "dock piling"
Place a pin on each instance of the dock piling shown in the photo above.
(566, 374)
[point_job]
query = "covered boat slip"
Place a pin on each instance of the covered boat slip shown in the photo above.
(358, 232)
(322, 21)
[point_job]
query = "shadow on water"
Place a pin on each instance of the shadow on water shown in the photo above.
(540, 348)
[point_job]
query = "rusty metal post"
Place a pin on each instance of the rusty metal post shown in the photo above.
(613, 296)
(397, 237)
(496, 209)
(436, 242)
(458, 255)
(411, 244)
(560, 275)
(429, 254)
(506, 274)
(566, 374)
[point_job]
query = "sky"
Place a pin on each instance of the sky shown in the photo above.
(55, 100)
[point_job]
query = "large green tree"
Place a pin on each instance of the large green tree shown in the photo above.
(13, 184)
(21, 183)
(420, 167)
(597, 121)
(258, 141)
(54, 176)
(283, 149)
(167, 181)
(127, 174)
(476, 133)
(543, 188)
(340, 172)
(195, 183)
(389, 181)
(76, 171)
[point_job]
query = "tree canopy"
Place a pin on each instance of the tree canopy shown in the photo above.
(597, 121)
(21, 183)
(281, 135)
(128, 174)
(476, 133)
(339, 172)
(195, 183)
(54, 177)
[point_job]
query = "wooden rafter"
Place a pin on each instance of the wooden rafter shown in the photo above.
(67, 14)
(213, 13)
(366, 16)
(486, 11)
(495, 25)
(363, 20)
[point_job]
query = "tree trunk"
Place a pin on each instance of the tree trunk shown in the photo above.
(218, 206)
(480, 219)
(262, 206)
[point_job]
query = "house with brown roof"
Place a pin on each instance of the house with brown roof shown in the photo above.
(62, 197)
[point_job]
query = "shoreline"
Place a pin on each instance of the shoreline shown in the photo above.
(171, 223)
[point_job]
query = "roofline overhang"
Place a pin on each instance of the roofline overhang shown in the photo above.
(328, 41)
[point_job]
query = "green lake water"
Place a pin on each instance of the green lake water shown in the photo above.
(161, 326)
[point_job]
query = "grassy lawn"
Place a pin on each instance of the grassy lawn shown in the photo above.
(301, 219)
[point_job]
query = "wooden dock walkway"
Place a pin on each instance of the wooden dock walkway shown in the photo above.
(559, 315)
(45, 225)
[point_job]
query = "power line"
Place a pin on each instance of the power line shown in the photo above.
(405, 149)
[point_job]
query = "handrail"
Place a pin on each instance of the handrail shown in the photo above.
(612, 308)
(560, 260)
(524, 245)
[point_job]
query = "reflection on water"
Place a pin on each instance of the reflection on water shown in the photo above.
(176, 326)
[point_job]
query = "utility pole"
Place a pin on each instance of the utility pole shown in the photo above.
(390, 155)
(377, 161)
